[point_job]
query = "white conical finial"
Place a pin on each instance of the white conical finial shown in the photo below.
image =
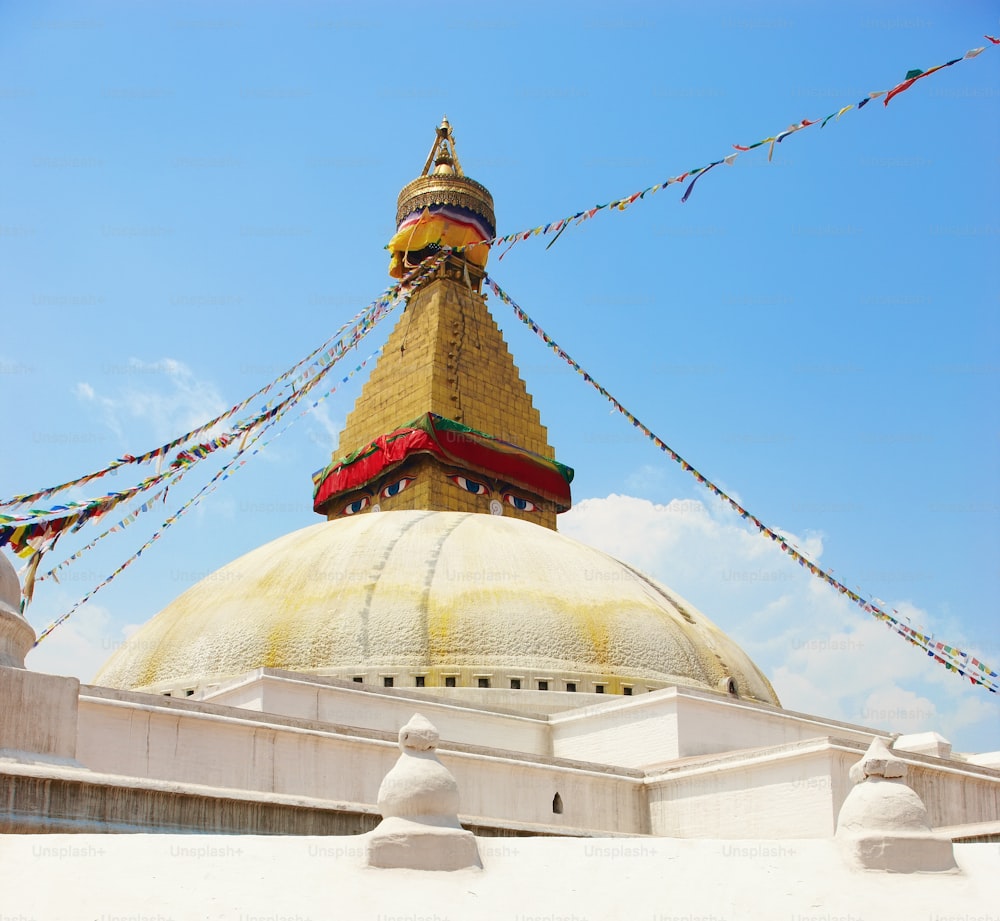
(883, 824)
(443, 153)
(16, 634)
(419, 785)
(878, 761)
(419, 803)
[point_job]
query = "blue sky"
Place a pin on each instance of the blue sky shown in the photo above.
(194, 196)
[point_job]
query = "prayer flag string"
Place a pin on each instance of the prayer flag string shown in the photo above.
(222, 474)
(32, 539)
(954, 659)
(300, 371)
(556, 228)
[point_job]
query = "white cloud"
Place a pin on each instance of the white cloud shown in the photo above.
(905, 711)
(78, 647)
(329, 429)
(823, 654)
(164, 395)
(648, 478)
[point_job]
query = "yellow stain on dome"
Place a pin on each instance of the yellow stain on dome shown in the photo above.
(150, 673)
(597, 634)
(431, 590)
(439, 625)
(278, 644)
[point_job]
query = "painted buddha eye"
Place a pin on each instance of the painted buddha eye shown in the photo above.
(477, 489)
(358, 505)
(522, 505)
(394, 489)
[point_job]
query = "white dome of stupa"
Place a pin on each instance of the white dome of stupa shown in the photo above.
(480, 599)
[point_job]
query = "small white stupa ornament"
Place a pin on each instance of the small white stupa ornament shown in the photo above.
(16, 635)
(419, 800)
(883, 823)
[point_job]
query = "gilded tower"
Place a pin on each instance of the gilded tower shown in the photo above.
(445, 422)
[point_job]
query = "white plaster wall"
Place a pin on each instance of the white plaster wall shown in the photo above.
(386, 712)
(527, 701)
(954, 794)
(797, 791)
(678, 723)
(181, 743)
(38, 714)
(707, 725)
(525, 790)
(794, 790)
(247, 693)
(788, 795)
(190, 747)
(630, 732)
(635, 732)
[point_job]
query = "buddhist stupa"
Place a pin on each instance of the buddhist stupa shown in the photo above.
(439, 564)
(433, 703)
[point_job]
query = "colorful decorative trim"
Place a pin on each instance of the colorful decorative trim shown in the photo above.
(440, 226)
(453, 443)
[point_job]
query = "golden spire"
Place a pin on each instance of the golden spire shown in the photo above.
(444, 149)
(446, 184)
(445, 422)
